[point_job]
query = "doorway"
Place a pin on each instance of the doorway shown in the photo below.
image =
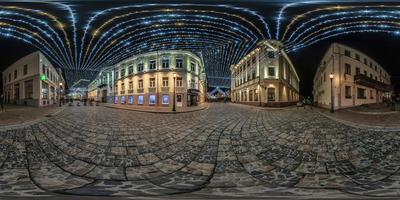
(179, 100)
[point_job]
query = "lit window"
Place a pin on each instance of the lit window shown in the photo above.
(152, 99)
(165, 99)
(116, 99)
(140, 99)
(130, 99)
(122, 99)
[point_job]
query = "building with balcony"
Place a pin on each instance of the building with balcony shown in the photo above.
(32, 80)
(101, 88)
(265, 77)
(148, 80)
(357, 79)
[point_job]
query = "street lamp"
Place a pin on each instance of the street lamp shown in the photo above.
(59, 96)
(173, 103)
(332, 99)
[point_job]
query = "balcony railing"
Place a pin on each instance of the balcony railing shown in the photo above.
(372, 83)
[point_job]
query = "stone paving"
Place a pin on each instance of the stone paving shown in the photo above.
(225, 151)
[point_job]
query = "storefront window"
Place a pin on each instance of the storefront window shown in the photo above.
(123, 100)
(165, 99)
(130, 99)
(115, 99)
(45, 90)
(152, 99)
(28, 89)
(140, 99)
(271, 94)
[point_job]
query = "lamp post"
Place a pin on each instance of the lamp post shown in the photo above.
(59, 95)
(332, 98)
(173, 103)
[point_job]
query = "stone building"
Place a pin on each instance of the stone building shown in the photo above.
(265, 77)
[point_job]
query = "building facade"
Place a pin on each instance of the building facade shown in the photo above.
(357, 79)
(265, 77)
(101, 88)
(148, 80)
(33, 81)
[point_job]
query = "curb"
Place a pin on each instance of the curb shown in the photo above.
(157, 112)
(373, 113)
(361, 126)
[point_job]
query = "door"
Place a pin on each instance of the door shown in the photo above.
(179, 100)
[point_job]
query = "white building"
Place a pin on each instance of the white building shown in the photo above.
(33, 80)
(357, 79)
(265, 77)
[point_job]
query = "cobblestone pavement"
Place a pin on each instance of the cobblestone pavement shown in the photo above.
(226, 150)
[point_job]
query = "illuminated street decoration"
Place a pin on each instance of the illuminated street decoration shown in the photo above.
(220, 34)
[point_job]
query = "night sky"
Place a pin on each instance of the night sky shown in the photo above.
(382, 47)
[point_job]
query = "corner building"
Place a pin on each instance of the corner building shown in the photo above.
(265, 77)
(148, 79)
(33, 81)
(357, 79)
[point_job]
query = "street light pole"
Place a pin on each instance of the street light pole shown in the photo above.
(59, 95)
(332, 98)
(173, 104)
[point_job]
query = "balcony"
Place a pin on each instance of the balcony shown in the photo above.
(372, 83)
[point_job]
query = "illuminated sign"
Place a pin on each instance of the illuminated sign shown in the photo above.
(42, 77)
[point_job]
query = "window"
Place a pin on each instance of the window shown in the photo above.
(347, 53)
(371, 95)
(251, 95)
(9, 77)
(45, 90)
(253, 74)
(165, 63)
(253, 59)
(28, 89)
(347, 69)
(140, 67)
(271, 54)
(365, 73)
(25, 69)
(116, 75)
(255, 95)
(361, 93)
(179, 82)
(122, 87)
(165, 99)
(122, 99)
(140, 99)
(357, 70)
(192, 83)
(271, 71)
(370, 64)
(130, 85)
(140, 84)
(357, 57)
(370, 76)
(365, 61)
(152, 64)
(248, 63)
(15, 74)
(179, 63)
(271, 94)
(348, 92)
(115, 99)
(192, 67)
(152, 82)
(152, 99)
(130, 99)
(130, 69)
(122, 72)
(165, 81)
